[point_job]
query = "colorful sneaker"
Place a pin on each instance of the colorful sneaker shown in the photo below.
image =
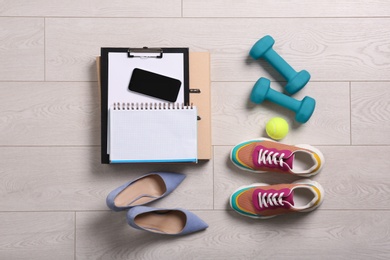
(262, 155)
(263, 201)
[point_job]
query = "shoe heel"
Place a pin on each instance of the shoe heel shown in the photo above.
(318, 152)
(316, 185)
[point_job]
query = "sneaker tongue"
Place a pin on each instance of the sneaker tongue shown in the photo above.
(290, 198)
(289, 161)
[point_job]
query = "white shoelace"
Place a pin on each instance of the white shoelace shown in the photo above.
(271, 199)
(270, 157)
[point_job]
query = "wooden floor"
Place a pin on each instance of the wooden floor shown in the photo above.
(53, 187)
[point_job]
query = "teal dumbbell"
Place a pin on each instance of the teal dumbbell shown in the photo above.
(263, 91)
(295, 80)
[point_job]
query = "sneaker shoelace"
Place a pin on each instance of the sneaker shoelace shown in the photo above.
(269, 158)
(272, 199)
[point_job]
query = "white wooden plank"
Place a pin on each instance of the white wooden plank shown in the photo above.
(295, 8)
(317, 235)
(86, 8)
(330, 49)
(72, 178)
(48, 113)
(370, 104)
(21, 49)
(231, 106)
(352, 177)
(37, 235)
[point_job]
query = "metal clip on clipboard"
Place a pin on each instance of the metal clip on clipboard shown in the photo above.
(145, 52)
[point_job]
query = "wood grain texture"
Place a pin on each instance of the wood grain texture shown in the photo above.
(37, 235)
(48, 113)
(370, 104)
(351, 181)
(21, 49)
(329, 124)
(296, 8)
(72, 178)
(327, 48)
(320, 235)
(85, 8)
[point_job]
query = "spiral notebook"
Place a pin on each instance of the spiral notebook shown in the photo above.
(152, 132)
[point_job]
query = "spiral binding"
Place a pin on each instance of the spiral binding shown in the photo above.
(151, 106)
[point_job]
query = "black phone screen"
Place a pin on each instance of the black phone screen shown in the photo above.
(154, 85)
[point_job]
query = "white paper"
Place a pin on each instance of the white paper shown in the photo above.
(120, 68)
(160, 135)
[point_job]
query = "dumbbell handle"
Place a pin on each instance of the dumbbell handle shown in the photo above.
(279, 64)
(283, 100)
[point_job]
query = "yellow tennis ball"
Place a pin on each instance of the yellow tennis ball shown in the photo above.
(277, 128)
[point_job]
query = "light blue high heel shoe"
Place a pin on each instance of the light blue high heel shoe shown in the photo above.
(145, 189)
(165, 221)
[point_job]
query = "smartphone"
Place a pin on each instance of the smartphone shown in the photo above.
(154, 85)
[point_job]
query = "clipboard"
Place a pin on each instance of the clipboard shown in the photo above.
(116, 66)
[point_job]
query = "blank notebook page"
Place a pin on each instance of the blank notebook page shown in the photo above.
(153, 135)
